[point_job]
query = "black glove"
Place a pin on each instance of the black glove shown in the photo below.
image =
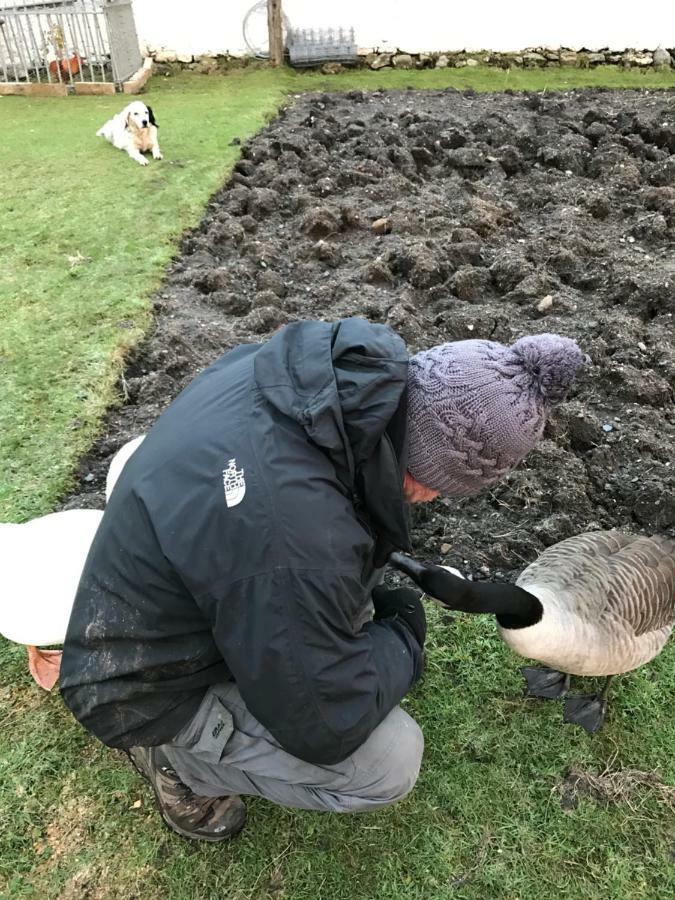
(406, 604)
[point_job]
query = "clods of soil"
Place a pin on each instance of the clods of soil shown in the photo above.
(448, 216)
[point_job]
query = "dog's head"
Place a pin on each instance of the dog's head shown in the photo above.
(137, 116)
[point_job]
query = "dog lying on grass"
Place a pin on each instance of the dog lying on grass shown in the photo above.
(133, 130)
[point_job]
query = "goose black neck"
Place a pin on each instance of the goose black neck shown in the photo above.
(513, 606)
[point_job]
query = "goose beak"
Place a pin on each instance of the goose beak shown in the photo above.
(44, 666)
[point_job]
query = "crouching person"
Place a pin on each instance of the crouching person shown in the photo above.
(230, 630)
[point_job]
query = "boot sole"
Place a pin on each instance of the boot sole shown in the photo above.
(191, 836)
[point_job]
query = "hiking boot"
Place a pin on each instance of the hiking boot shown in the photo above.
(192, 816)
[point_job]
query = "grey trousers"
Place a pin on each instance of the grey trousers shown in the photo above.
(225, 750)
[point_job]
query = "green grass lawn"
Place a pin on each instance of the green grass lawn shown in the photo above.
(85, 236)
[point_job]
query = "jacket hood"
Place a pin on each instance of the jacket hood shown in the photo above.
(341, 381)
(344, 383)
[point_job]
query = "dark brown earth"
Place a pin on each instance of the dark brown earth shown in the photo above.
(510, 214)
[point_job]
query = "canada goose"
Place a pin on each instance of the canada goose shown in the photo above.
(601, 603)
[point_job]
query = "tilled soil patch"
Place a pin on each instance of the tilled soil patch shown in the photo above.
(507, 214)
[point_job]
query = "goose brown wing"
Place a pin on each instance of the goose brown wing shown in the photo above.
(642, 584)
(611, 575)
(580, 561)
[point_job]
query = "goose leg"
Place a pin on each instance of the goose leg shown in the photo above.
(588, 710)
(545, 682)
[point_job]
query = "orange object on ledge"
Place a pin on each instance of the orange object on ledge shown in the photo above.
(65, 66)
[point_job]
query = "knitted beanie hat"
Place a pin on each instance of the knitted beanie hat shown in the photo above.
(476, 408)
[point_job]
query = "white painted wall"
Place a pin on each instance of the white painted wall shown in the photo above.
(214, 26)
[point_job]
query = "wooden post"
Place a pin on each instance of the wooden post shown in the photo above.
(276, 33)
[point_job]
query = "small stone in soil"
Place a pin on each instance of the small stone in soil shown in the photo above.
(545, 304)
(381, 226)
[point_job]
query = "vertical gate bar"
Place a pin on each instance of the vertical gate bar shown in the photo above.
(97, 25)
(5, 76)
(9, 41)
(44, 27)
(91, 23)
(12, 56)
(77, 42)
(52, 33)
(81, 20)
(21, 45)
(66, 48)
(42, 47)
(94, 42)
(32, 47)
(71, 52)
(16, 49)
(53, 26)
(93, 54)
(36, 49)
(75, 35)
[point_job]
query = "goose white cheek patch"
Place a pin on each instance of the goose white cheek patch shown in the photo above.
(453, 571)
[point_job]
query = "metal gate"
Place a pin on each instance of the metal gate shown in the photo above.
(75, 44)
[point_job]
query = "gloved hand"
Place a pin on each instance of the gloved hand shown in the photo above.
(404, 602)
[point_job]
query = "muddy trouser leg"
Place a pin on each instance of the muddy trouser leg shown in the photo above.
(225, 750)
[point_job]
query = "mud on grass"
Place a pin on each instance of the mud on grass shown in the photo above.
(508, 215)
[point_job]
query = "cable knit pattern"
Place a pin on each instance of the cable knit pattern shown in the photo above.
(476, 408)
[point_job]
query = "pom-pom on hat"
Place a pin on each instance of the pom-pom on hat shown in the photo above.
(476, 408)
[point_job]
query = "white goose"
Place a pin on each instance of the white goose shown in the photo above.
(601, 603)
(41, 562)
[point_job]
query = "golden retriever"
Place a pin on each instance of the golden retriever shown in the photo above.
(133, 130)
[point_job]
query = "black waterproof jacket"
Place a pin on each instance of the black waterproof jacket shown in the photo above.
(242, 540)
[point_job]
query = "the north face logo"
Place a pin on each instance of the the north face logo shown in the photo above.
(216, 731)
(234, 484)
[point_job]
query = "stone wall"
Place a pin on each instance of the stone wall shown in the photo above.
(539, 57)
(531, 58)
